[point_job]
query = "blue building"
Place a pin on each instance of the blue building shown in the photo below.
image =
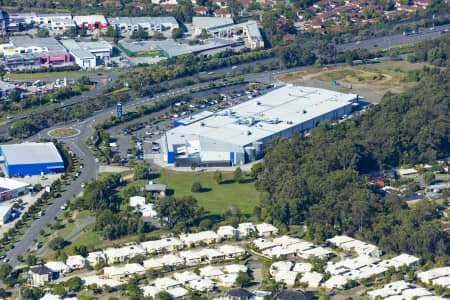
(31, 159)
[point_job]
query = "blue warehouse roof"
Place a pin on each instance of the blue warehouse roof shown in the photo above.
(30, 153)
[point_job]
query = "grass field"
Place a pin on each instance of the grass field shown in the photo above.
(215, 197)
(36, 76)
(63, 132)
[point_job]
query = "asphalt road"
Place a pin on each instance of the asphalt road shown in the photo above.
(394, 40)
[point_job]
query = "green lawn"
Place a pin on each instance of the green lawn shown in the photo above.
(215, 197)
(69, 227)
(35, 76)
(82, 215)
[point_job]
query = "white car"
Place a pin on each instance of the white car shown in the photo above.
(63, 207)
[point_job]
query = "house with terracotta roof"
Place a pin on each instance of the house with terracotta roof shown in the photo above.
(222, 13)
(200, 10)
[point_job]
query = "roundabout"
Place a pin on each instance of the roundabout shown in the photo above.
(64, 132)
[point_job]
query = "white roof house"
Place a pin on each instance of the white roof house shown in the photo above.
(202, 285)
(210, 272)
(227, 280)
(231, 251)
(192, 257)
(398, 286)
(279, 251)
(230, 269)
(361, 248)
(100, 281)
(318, 252)
(206, 237)
(286, 240)
(382, 293)
(58, 267)
(50, 297)
(227, 232)
(313, 279)
(429, 275)
(119, 272)
(137, 200)
(213, 255)
(410, 294)
(150, 291)
(442, 281)
(280, 266)
(336, 281)
(302, 267)
(169, 260)
(245, 229)
(262, 243)
(338, 240)
(76, 262)
(186, 277)
(96, 257)
(287, 277)
(178, 293)
(168, 244)
(265, 229)
(166, 283)
(124, 253)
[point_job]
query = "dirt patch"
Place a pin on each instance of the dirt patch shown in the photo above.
(370, 81)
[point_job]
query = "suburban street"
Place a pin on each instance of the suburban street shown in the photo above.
(89, 171)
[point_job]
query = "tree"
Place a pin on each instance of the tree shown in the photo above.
(141, 171)
(237, 175)
(234, 6)
(164, 296)
(196, 187)
(111, 32)
(177, 33)
(42, 33)
(74, 284)
(429, 177)
(14, 96)
(256, 169)
(205, 224)
(116, 157)
(60, 291)
(173, 211)
(139, 34)
(218, 176)
(204, 35)
(243, 279)
(158, 36)
(5, 271)
(56, 243)
(3, 293)
(30, 260)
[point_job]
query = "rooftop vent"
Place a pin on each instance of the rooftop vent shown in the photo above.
(202, 124)
(304, 111)
(258, 103)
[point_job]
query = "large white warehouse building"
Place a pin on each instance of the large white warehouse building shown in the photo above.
(239, 134)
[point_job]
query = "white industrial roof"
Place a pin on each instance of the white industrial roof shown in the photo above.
(259, 118)
(12, 184)
(30, 153)
(4, 209)
(210, 22)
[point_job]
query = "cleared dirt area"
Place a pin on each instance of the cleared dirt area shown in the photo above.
(371, 81)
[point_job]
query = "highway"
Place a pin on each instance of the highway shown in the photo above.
(395, 40)
(89, 171)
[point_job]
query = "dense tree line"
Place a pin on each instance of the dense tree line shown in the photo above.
(315, 179)
(436, 51)
(100, 194)
(115, 225)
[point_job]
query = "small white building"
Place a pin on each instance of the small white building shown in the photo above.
(163, 245)
(317, 252)
(202, 237)
(286, 277)
(115, 255)
(227, 280)
(166, 283)
(313, 279)
(95, 258)
(285, 241)
(58, 267)
(245, 229)
(76, 262)
(231, 251)
(137, 200)
(302, 267)
(262, 244)
(168, 260)
(178, 293)
(210, 272)
(213, 255)
(192, 257)
(429, 275)
(227, 232)
(265, 229)
(280, 266)
(150, 291)
(336, 282)
(100, 281)
(235, 269)
(202, 285)
(186, 277)
(11, 188)
(120, 272)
